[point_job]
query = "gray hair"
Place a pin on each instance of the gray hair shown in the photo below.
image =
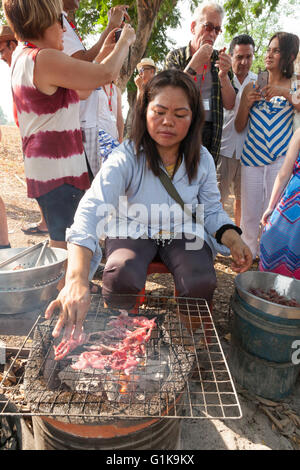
(200, 10)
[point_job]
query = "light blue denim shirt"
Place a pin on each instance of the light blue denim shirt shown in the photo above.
(125, 175)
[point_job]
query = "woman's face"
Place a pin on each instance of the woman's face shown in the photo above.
(53, 36)
(272, 58)
(168, 118)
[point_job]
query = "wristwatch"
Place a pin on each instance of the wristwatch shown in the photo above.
(191, 71)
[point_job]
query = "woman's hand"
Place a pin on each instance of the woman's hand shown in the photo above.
(269, 91)
(265, 216)
(128, 34)
(108, 46)
(73, 303)
(241, 256)
(249, 96)
(240, 252)
(116, 16)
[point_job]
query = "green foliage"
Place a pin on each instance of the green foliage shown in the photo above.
(2, 18)
(91, 18)
(258, 19)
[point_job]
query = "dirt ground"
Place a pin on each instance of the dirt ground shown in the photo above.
(264, 425)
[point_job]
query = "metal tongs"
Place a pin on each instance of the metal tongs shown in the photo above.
(42, 245)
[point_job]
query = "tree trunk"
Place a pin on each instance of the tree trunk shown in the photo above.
(147, 12)
(131, 98)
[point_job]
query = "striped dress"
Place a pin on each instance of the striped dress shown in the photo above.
(280, 241)
(50, 131)
(270, 131)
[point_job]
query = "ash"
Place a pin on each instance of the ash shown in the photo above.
(116, 387)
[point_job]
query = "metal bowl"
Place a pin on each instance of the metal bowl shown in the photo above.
(31, 276)
(286, 286)
(28, 300)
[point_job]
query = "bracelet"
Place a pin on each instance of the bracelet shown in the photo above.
(221, 230)
(191, 71)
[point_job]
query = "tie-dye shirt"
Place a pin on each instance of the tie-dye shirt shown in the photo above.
(50, 130)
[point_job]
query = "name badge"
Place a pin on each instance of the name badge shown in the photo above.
(206, 105)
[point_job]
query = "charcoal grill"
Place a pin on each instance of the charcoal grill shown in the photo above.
(184, 375)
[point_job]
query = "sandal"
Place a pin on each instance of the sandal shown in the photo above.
(94, 288)
(33, 229)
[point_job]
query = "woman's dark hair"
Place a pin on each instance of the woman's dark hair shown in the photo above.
(190, 145)
(289, 48)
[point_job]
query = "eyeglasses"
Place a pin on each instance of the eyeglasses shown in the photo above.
(60, 19)
(143, 69)
(210, 27)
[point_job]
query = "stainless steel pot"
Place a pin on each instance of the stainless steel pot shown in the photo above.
(286, 286)
(52, 265)
(29, 299)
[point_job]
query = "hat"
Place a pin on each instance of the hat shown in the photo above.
(6, 33)
(146, 61)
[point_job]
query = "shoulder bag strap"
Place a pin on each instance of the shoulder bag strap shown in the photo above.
(171, 190)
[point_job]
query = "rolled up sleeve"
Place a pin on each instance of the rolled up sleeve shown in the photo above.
(98, 203)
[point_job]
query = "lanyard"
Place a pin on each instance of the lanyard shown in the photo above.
(202, 76)
(74, 28)
(29, 44)
(109, 97)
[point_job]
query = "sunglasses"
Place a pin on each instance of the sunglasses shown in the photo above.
(143, 69)
(210, 27)
(60, 19)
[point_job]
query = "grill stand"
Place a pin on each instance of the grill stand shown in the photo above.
(163, 434)
(209, 395)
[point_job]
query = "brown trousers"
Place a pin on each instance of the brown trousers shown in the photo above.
(128, 260)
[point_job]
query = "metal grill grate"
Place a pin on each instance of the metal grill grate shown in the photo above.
(183, 374)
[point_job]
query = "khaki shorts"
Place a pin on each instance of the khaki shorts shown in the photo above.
(229, 173)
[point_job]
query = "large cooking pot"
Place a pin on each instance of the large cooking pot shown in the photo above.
(29, 299)
(52, 265)
(286, 286)
(266, 329)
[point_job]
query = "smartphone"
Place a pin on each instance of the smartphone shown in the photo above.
(262, 79)
(118, 34)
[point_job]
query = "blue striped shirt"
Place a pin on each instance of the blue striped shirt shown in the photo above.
(269, 133)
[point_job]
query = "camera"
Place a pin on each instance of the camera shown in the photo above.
(119, 31)
(118, 34)
(262, 80)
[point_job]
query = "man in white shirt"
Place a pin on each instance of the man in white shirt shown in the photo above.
(229, 168)
(89, 107)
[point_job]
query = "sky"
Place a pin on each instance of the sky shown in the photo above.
(179, 35)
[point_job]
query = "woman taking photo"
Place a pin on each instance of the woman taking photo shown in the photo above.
(280, 241)
(47, 86)
(269, 113)
(166, 138)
